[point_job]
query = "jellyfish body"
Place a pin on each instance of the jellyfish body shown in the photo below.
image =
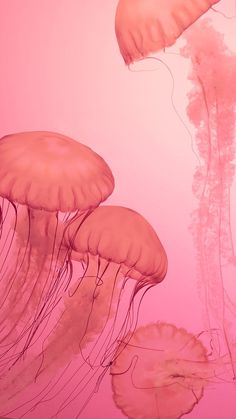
(160, 371)
(42, 176)
(211, 109)
(116, 246)
(147, 26)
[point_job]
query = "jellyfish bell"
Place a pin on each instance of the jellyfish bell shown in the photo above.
(52, 172)
(147, 26)
(42, 175)
(116, 246)
(161, 371)
(123, 236)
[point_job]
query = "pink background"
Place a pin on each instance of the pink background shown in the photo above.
(61, 71)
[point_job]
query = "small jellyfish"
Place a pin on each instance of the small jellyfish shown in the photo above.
(121, 255)
(44, 177)
(160, 371)
(147, 26)
(211, 109)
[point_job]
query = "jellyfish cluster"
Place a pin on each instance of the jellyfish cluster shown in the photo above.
(74, 271)
(71, 267)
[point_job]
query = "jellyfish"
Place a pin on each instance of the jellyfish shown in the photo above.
(120, 255)
(46, 181)
(147, 26)
(211, 110)
(160, 371)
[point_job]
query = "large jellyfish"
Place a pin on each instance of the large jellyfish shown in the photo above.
(211, 109)
(120, 255)
(42, 176)
(147, 26)
(160, 371)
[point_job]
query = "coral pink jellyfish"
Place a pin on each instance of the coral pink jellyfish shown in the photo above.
(118, 248)
(146, 26)
(42, 175)
(211, 109)
(160, 371)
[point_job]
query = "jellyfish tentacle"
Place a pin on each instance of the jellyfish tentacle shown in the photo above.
(211, 110)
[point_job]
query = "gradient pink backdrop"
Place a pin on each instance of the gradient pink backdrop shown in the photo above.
(60, 70)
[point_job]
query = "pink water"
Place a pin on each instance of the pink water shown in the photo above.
(61, 71)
